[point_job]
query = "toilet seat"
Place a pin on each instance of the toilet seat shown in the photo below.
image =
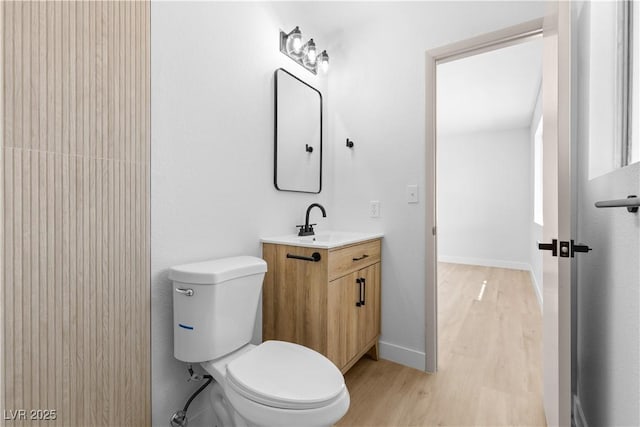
(262, 415)
(259, 399)
(284, 375)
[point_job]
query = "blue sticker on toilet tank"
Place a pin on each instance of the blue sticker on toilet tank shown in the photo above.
(185, 326)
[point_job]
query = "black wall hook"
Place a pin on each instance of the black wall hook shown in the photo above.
(308, 148)
(349, 143)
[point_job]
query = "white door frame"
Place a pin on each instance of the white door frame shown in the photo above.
(473, 46)
(558, 218)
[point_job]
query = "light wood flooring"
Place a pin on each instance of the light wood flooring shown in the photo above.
(490, 358)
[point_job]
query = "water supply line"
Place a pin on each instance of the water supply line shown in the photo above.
(179, 418)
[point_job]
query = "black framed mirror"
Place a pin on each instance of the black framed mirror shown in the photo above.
(298, 135)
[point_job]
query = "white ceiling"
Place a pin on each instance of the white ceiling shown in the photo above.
(496, 90)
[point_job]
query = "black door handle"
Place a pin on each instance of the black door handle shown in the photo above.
(553, 247)
(359, 282)
(579, 248)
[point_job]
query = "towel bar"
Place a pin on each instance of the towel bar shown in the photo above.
(315, 257)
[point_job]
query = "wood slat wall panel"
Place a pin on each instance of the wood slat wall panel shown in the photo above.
(75, 211)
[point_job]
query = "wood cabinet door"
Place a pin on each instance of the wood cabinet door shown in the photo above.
(369, 313)
(343, 318)
(294, 299)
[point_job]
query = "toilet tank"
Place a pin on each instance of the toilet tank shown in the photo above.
(214, 306)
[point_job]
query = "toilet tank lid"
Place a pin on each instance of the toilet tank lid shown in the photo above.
(217, 271)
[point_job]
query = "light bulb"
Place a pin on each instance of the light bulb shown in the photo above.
(324, 61)
(311, 56)
(310, 53)
(294, 42)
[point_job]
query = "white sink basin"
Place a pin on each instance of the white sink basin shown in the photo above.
(323, 239)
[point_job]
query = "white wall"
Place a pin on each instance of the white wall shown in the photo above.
(608, 278)
(484, 198)
(212, 189)
(212, 147)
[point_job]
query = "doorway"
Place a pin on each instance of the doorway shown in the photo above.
(487, 43)
(488, 117)
(558, 190)
(489, 311)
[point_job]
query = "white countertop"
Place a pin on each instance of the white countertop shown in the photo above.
(323, 239)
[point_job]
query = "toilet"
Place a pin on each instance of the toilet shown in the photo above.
(275, 383)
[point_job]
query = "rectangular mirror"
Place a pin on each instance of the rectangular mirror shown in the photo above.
(298, 135)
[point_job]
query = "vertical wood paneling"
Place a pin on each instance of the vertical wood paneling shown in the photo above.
(2, 214)
(8, 291)
(74, 299)
(34, 300)
(18, 283)
(61, 369)
(75, 221)
(18, 73)
(42, 74)
(7, 73)
(50, 283)
(42, 279)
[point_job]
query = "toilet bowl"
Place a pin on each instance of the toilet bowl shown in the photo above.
(278, 383)
(275, 383)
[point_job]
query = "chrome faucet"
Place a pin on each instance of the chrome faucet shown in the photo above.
(307, 229)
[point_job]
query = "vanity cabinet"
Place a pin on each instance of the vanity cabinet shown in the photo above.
(331, 305)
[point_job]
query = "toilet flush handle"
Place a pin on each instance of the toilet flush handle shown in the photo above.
(187, 292)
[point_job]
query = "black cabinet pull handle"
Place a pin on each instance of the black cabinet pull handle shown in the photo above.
(315, 257)
(364, 290)
(360, 258)
(359, 282)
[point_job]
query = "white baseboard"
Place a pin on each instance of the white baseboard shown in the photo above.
(578, 414)
(402, 355)
(536, 287)
(512, 265)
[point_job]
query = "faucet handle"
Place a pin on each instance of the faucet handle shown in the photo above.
(306, 231)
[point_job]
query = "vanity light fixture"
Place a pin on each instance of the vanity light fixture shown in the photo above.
(304, 54)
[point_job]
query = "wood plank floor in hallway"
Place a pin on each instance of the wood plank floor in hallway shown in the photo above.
(490, 367)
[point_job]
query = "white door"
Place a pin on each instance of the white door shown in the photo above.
(608, 292)
(556, 112)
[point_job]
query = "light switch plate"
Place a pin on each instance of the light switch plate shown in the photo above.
(412, 193)
(374, 209)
